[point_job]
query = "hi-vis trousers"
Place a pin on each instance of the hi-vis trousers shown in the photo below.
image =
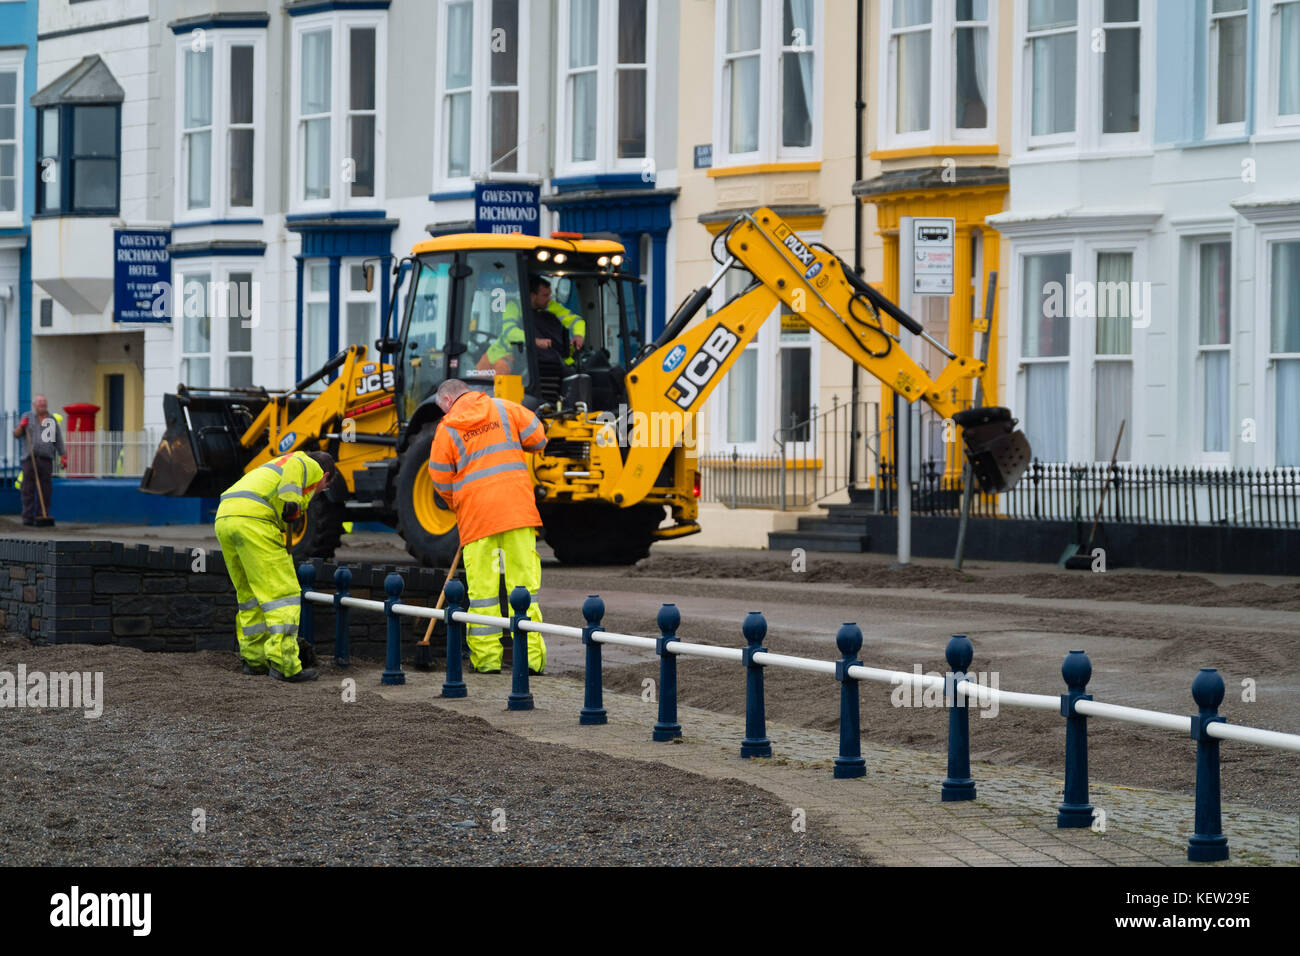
(266, 589)
(515, 554)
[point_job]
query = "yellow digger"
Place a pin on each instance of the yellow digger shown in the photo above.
(607, 487)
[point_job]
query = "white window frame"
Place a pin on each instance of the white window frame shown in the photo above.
(480, 146)
(943, 94)
(218, 354)
(1268, 122)
(15, 60)
(1213, 128)
(220, 43)
(338, 23)
(607, 69)
(309, 298)
(1081, 355)
(769, 88)
(1195, 244)
(1265, 403)
(1087, 136)
(1094, 250)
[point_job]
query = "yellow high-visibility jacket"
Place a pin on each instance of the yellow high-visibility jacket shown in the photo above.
(264, 491)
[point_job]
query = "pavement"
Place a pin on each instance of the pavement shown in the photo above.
(894, 813)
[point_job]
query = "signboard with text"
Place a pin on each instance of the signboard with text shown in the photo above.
(932, 256)
(142, 274)
(507, 207)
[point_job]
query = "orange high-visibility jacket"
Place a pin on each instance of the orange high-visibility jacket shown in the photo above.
(477, 465)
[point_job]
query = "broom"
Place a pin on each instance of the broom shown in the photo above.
(44, 521)
(423, 650)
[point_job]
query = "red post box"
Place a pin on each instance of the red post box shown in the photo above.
(80, 439)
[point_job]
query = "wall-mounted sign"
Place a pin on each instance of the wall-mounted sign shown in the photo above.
(142, 275)
(932, 256)
(507, 207)
(704, 156)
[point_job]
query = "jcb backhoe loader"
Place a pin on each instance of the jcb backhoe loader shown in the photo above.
(605, 491)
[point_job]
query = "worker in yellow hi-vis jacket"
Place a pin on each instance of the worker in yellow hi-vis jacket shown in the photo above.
(251, 520)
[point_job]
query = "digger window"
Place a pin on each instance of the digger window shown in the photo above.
(490, 321)
(426, 331)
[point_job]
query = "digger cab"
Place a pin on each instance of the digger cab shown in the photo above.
(556, 312)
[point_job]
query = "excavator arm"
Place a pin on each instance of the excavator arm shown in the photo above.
(684, 366)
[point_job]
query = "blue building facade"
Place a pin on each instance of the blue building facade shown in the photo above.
(17, 199)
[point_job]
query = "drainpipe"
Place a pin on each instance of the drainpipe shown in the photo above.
(859, 107)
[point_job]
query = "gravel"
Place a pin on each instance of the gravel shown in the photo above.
(292, 774)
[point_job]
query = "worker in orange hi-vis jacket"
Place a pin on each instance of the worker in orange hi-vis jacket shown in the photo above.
(478, 470)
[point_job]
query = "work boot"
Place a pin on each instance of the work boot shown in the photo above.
(255, 670)
(304, 675)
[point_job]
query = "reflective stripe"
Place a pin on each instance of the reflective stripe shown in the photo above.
(489, 472)
(254, 629)
(283, 628)
(456, 440)
(505, 422)
(485, 602)
(274, 467)
(523, 438)
(443, 486)
(289, 489)
(280, 602)
(435, 466)
(250, 495)
(490, 450)
(249, 604)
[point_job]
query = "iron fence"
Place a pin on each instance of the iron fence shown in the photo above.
(1137, 494)
(809, 461)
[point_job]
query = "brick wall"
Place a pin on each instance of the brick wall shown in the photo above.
(154, 599)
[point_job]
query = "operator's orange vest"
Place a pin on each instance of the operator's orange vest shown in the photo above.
(477, 465)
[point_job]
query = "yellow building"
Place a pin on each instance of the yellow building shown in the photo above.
(767, 117)
(938, 80)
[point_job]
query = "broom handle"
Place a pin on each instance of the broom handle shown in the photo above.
(36, 474)
(1105, 488)
(455, 563)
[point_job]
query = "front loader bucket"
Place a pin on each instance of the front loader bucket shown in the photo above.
(200, 455)
(998, 452)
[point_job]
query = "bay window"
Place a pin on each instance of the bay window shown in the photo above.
(217, 312)
(481, 119)
(768, 80)
(81, 148)
(1279, 59)
(919, 34)
(1045, 354)
(1113, 357)
(338, 108)
(1053, 43)
(606, 90)
(220, 82)
(1284, 348)
(11, 134)
(1228, 19)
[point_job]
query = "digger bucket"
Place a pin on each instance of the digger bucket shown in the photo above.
(200, 455)
(998, 452)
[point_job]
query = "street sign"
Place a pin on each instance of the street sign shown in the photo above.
(507, 207)
(704, 156)
(932, 256)
(142, 274)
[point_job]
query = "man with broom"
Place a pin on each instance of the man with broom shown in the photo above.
(42, 440)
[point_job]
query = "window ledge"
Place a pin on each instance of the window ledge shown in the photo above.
(1213, 141)
(1279, 134)
(953, 149)
(1072, 155)
(753, 169)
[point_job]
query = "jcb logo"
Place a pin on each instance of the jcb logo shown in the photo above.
(702, 366)
(374, 383)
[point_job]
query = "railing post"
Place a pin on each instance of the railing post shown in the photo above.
(849, 764)
(1207, 843)
(593, 704)
(393, 674)
(958, 785)
(520, 697)
(735, 475)
(307, 610)
(755, 743)
(342, 646)
(667, 727)
(454, 685)
(1076, 811)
